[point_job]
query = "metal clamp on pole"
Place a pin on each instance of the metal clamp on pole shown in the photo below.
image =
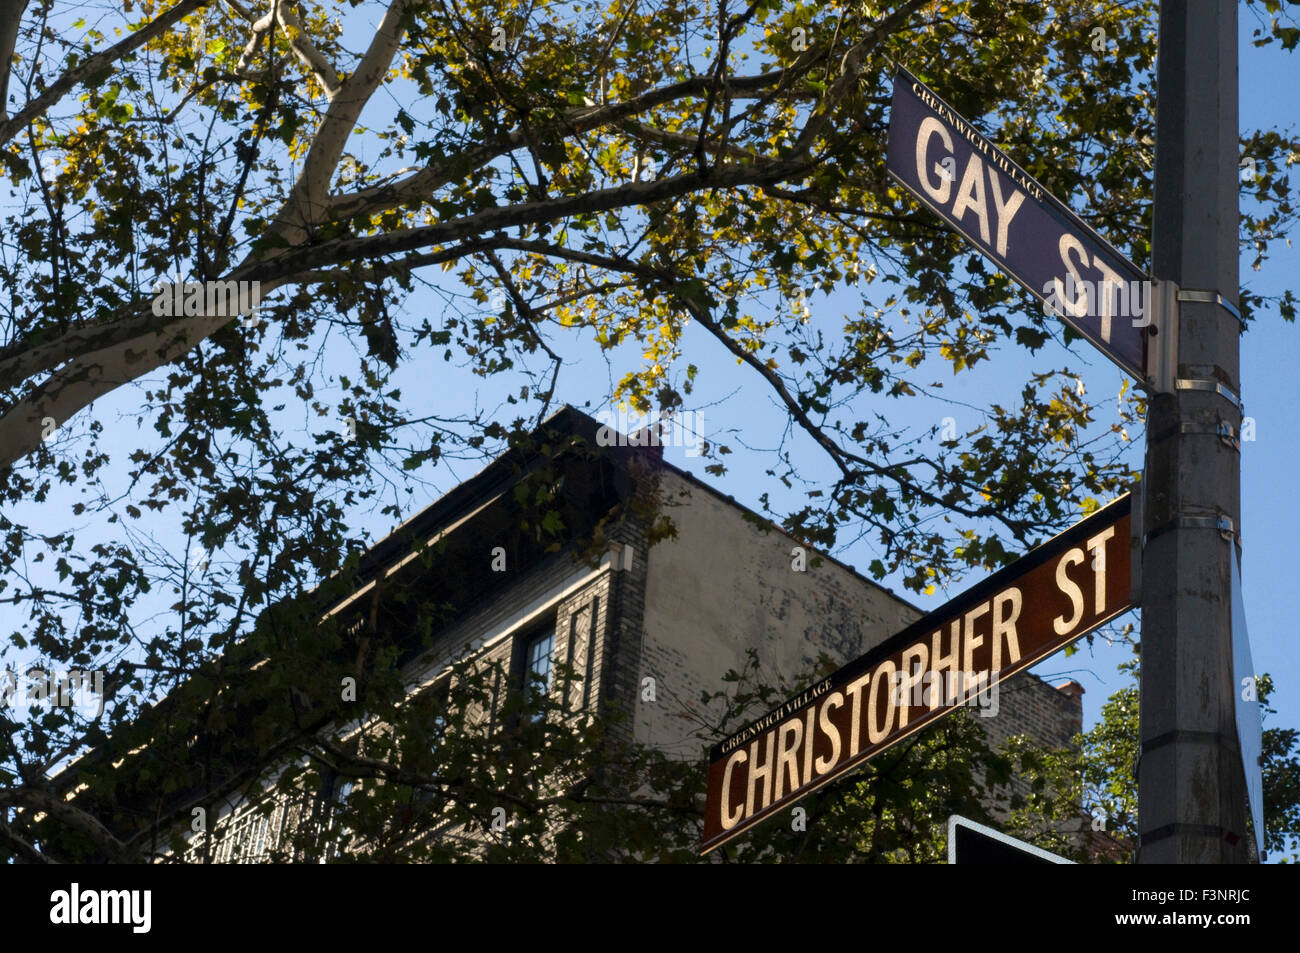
(1222, 523)
(1227, 530)
(1223, 430)
(1162, 343)
(1216, 386)
(1212, 297)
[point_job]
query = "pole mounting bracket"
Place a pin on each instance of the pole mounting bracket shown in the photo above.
(1223, 430)
(1218, 387)
(1222, 523)
(1162, 340)
(1212, 297)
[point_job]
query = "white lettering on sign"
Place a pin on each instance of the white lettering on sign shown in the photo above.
(933, 127)
(854, 692)
(1005, 208)
(880, 701)
(1075, 294)
(1079, 297)
(879, 732)
(970, 196)
(1079, 304)
(834, 700)
(729, 819)
(972, 193)
(962, 651)
(1097, 546)
(1006, 610)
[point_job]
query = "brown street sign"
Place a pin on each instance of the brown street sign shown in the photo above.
(1021, 614)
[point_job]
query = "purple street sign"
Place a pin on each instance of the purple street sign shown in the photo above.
(1028, 233)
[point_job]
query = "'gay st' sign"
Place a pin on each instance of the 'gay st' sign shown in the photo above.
(1032, 236)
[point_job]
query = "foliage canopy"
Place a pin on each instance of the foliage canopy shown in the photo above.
(490, 187)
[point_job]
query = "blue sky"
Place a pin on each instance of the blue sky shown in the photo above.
(736, 410)
(1270, 352)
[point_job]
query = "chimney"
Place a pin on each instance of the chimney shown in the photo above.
(1074, 691)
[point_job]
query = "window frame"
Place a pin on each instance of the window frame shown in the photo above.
(524, 666)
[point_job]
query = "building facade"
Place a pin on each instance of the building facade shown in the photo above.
(639, 619)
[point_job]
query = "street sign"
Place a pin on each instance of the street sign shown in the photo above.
(939, 157)
(1054, 594)
(971, 843)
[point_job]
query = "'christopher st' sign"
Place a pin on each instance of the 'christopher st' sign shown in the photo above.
(1032, 236)
(1018, 616)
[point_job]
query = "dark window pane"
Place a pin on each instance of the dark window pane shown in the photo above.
(538, 659)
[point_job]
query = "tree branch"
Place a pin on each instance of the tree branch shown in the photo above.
(11, 18)
(21, 847)
(420, 185)
(308, 54)
(65, 813)
(307, 204)
(96, 64)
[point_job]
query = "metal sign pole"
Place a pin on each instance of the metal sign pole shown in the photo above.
(1191, 791)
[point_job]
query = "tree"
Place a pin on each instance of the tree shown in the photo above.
(617, 174)
(429, 779)
(1092, 785)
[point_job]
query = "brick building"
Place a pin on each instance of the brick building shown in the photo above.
(622, 614)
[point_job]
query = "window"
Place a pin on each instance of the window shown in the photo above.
(248, 836)
(435, 701)
(338, 842)
(537, 662)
